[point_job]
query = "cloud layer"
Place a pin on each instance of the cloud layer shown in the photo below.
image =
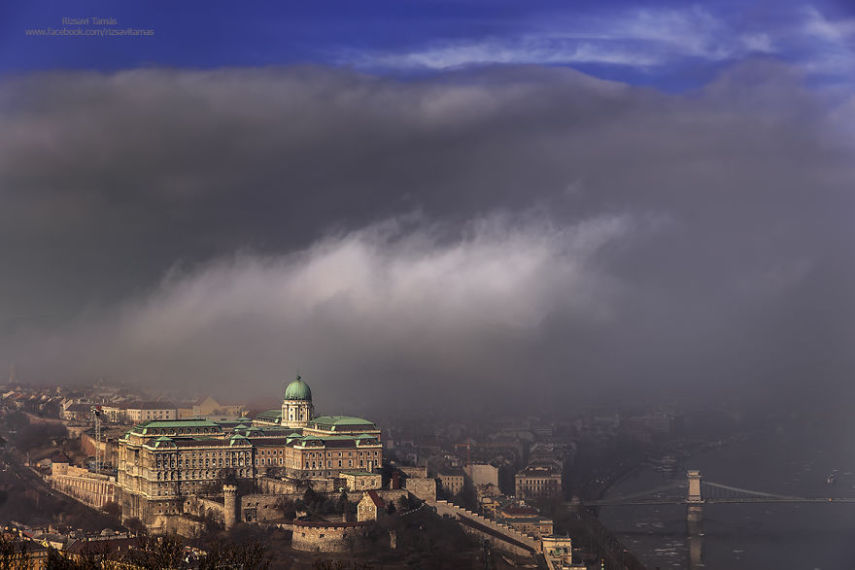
(358, 310)
(640, 42)
(502, 232)
(640, 37)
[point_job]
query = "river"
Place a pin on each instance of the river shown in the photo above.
(792, 461)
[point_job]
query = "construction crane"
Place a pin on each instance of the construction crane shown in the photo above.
(96, 413)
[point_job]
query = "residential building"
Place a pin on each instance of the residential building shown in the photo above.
(369, 507)
(451, 482)
(139, 412)
(539, 480)
(525, 519)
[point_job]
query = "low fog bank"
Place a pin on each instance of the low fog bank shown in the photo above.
(472, 239)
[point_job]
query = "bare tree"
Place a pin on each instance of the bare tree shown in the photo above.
(158, 552)
(14, 554)
(247, 556)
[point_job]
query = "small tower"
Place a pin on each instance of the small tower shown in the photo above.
(694, 495)
(229, 505)
(297, 408)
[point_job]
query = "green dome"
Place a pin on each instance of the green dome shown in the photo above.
(298, 390)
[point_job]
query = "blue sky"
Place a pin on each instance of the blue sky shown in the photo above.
(669, 45)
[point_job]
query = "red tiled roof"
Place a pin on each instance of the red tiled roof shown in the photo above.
(375, 498)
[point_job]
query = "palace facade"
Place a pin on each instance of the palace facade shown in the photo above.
(162, 463)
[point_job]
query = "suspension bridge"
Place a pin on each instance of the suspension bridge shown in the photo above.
(695, 491)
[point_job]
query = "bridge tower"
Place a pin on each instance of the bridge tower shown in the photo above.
(695, 519)
(694, 495)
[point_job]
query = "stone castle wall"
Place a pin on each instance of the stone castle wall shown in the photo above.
(177, 524)
(109, 449)
(90, 488)
(203, 507)
(422, 487)
(328, 537)
(391, 495)
(271, 486)
(527, 545)
(261, 508)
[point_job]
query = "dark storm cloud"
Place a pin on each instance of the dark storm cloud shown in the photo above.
(459, 231)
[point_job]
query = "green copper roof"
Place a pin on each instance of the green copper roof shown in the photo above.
(298, 390)
(270, 414)
(341, 420)
(162, 441)
(154, 427)
(178, 423)
(333, 422)
(238, 440)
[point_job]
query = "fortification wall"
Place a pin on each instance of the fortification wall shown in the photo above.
(109, 449)
(527, 544)
(260, 508)
(202, 507)
(177, 524)
(390, 495)
(422, 487)
(92, 489)
(271, 486)
(328, 537)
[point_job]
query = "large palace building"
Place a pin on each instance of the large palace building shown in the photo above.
(162, 463)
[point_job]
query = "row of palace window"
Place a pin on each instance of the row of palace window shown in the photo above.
(176, 475)
(362, 463)
(268, 461)
(238, 459)
(539, 482)
(321, 454)
(270, 452)
(235, 460)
